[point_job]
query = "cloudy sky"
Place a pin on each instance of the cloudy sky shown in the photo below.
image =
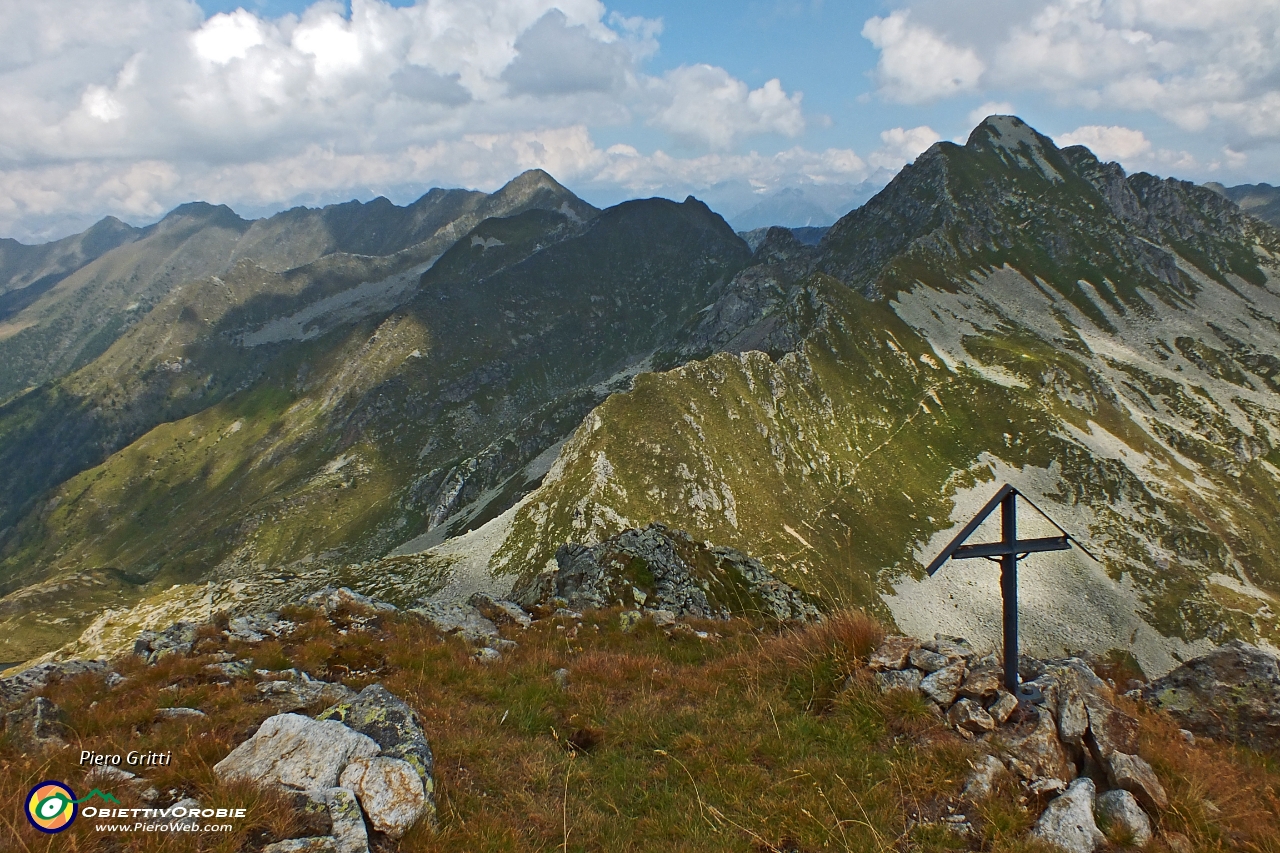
(130, 107)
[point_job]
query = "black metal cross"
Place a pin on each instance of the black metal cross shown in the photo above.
(1007, 552)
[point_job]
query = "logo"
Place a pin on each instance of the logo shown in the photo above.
(51, 806)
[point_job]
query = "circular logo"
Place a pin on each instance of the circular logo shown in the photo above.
(51, 806)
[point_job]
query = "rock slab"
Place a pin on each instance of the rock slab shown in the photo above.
(389, 790)
(296, 752)
(1068, 822)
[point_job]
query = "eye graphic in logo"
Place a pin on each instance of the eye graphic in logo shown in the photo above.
(51, 806)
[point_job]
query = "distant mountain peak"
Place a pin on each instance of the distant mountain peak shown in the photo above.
(1017, 143)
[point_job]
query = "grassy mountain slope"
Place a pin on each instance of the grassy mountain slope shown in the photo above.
(345, 443)
(1103, 342)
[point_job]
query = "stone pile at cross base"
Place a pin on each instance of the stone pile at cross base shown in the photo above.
(1079, 746)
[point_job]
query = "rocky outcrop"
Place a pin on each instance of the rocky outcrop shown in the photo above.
(1232, 693)
(1122, 819)
(177, 639)
(15, 687)
(1076, 738)
(657, 568)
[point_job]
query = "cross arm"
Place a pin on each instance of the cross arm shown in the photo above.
(1021, 546)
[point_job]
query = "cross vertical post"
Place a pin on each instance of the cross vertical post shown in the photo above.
(1009, 588)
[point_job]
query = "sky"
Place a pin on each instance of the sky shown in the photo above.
(131, 107)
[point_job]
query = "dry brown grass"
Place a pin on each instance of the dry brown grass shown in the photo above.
(756, 739)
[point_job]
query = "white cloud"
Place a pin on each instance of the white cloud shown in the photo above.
(1202, 66)
(990, 108)
(916, 64)
(902, 145)
(1109, 143)
(96, 89)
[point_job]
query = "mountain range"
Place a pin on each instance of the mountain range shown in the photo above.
(431, 400)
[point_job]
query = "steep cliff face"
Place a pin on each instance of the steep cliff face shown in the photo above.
(1004, 311)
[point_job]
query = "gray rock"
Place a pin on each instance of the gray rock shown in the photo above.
(177, 639)
(1068, 822)
(455, 618)
(186, 804)
(942, 685)
(179, 713)
(487, 655)
(1132, 774)
(294, 694)
(899, 679)
(499, 611)
(318, 844)
(231, 669)
(389, 790)
(561, 678)
(968, 715)
(954, 648)
(1037, 755)
(110, 775)
(15, 687)
(252, 628)
(893, 653)
(292, 751)
(342, 598)
(1232, 693)
(982, 684)
(661, 618)
(1122, 819)
(1003, 706)
(37, 722)
(982, 781)
(929, 661)
(395, 727)
(349, 833)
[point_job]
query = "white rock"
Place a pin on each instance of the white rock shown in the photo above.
(317, 844)
(1124, 819)
(389, 790)
(1068, 821)
(982, 781)
(296, 752)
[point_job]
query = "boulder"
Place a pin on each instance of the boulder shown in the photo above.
(180, 713)
(254, 627)
(1068, 822)
(953, 648)
(177, 639)
(342, 598)
(893, 653)
(899, 679)
(397, 730)
(292, 751)
(457, 618)
(1232, 693)
(36, 722)
(499, 611)
(1122, 819)
(31, 679)
(389, 790)
(968, 715)
(1132, 774)
(942, 685)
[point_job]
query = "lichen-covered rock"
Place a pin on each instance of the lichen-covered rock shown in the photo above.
(1132, 774)
(1068, 822)
(899, 679)
(893, 653)
(395, 727)
(15, 687)
(349, 833)
(664, 569)
(1232, 693)
(1122, 819)
(982, 683)
(296, 752)
(389, 790)
(942, 685)
(177, 639)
